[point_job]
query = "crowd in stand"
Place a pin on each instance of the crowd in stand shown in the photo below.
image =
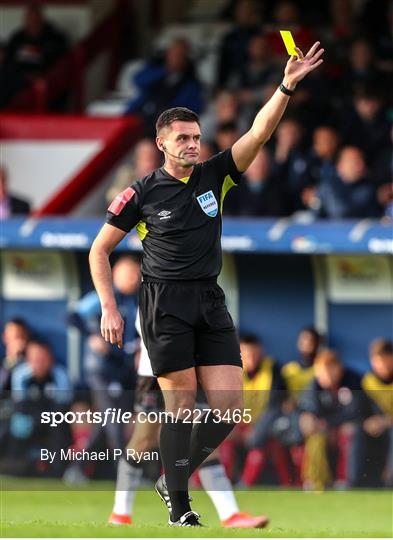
(29, 52)
(311, 422)
(330, 157)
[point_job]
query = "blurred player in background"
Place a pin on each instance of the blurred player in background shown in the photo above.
(378, 385)
(145, 437)
(38, 384)
(332, 409)
(16, 335)
(298, 373)
(264, 392)
(110, 373)
(185, 323)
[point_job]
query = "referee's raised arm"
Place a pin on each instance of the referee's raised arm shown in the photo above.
(246, 148)
(112, 324)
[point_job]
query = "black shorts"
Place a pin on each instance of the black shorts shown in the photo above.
(187, 324)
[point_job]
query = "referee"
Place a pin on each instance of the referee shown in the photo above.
(185, 323)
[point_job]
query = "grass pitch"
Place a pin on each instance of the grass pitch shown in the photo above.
(32, 508)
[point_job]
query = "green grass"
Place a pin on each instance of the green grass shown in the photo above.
(26, 510)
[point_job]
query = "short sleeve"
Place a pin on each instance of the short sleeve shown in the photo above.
(225, 166)
(124, 211)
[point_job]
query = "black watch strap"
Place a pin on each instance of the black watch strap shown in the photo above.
(286, 90)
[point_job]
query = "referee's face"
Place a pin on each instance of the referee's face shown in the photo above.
(181, 143)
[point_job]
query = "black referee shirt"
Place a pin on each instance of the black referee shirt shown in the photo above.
(178, 221)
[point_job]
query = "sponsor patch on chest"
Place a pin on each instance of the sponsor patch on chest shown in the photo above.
(208, 203)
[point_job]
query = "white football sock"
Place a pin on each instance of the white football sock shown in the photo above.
(219, 488)
(127, 482)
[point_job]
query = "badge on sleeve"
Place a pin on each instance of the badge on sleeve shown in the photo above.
(208, 203)
(120, 201)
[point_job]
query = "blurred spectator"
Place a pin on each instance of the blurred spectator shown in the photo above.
(378, 384)
(312, 103)
(110, 372)
(350, 193)
(385, 199)
(39, 376)
(224, 109)
(286, 17)
(291, 162)
(259, 193)
(10, 80)
(383, 177)
(15, 337)
(340, 30)
(377, 24)
(342, 25)
(322, 160)
(332, 406)
(365, 124)
(38, 385)
(325, 145)
(146, 158)
(10, 205)
(259, 68)
(251, 76)
(207, 151)
(171, 82)
(226, 136)
(264, 391)
(254, 75)
(362, 67)
(383, 164)
(33, 48)
(233, 48)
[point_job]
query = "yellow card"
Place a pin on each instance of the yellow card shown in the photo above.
(289, 42)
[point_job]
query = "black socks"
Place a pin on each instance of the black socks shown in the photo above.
(183, 448)
(175, 454)
(205, 438)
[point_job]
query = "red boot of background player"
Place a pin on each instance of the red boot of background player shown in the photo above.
(253, 466)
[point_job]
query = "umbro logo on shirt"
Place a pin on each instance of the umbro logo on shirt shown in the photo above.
(164, 214)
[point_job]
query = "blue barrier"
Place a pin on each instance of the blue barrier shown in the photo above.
(239, 235)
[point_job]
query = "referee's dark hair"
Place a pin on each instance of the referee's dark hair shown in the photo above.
(176, 113)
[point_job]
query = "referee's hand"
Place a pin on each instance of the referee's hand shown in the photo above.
(112, 326)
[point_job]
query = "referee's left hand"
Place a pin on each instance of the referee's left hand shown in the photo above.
(299, 66)
(112, 326)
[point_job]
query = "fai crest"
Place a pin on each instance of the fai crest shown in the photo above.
(208, 203)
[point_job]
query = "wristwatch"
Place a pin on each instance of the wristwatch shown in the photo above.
(286, 90)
